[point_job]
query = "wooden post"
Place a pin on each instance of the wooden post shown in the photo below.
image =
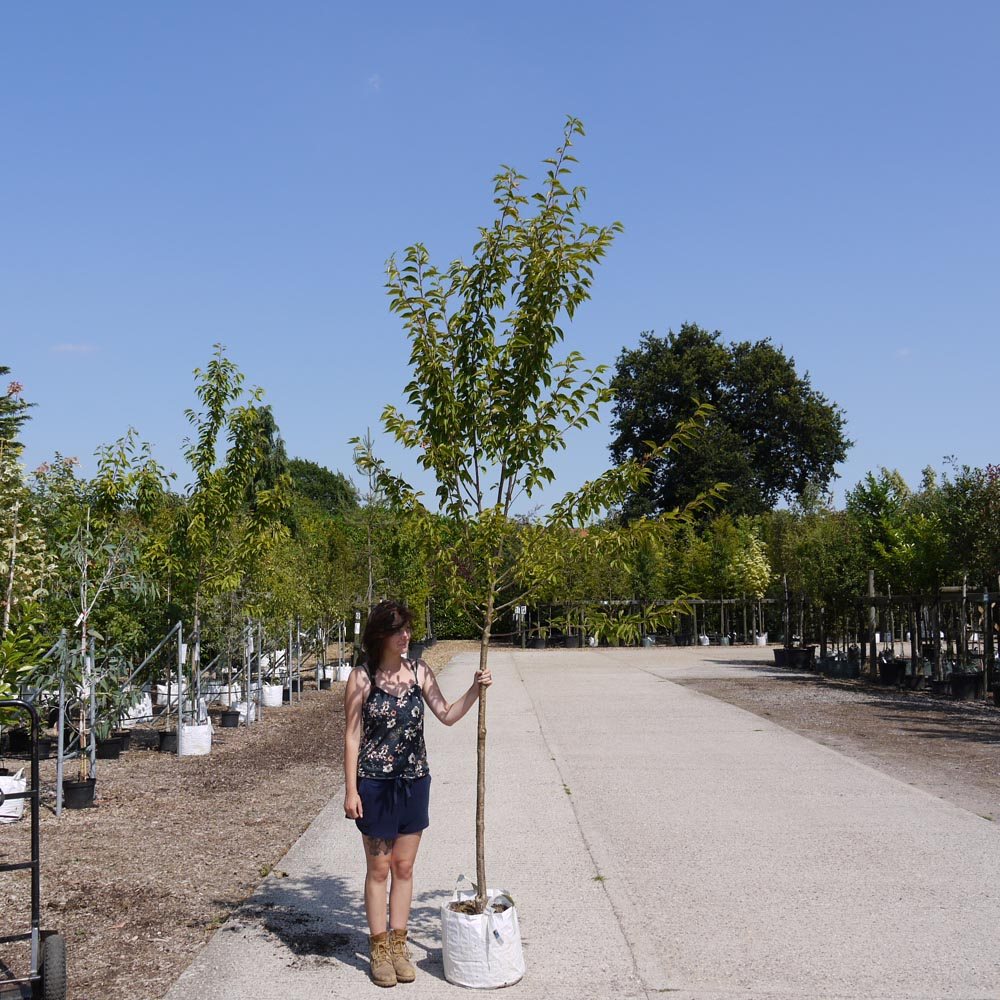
(873, 653)
(987, 642)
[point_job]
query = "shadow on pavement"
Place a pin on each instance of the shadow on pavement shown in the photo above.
(321, 918)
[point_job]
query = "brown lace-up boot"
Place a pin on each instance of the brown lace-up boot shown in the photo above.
(400, 954)
(383, 973)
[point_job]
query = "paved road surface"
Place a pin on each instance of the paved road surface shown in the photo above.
(659, 843)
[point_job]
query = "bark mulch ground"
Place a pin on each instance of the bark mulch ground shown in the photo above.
(138, 883)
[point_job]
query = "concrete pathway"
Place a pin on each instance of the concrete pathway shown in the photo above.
(658, 842)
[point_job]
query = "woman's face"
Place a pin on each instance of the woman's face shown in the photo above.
(399, 640)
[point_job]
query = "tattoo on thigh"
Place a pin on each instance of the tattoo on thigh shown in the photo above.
(379, 845)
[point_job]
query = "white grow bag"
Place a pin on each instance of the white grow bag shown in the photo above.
(161, 694)
(760, 640)
(142, 710)
(11, 810)
(195, 741)
(482, 950)
(224, 699)
(271, 696)
(241, 707)
(344, 671)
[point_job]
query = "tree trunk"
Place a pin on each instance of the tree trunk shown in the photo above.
(484, 648)
(8, 600)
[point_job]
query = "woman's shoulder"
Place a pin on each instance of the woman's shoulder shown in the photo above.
(359, 675)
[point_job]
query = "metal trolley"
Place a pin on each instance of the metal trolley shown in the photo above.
(47, 979)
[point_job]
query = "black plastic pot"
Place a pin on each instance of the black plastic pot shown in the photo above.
(536, 642)
(417, 650)
(325, 684)
(144, 739)
(781, 656)
(79, 794)
(940, 686)
(230, 719)
(19, 741)
(572, 641)
(125, 735)
(964, 687)
(168, 742)
(109, 749)
(891, 672)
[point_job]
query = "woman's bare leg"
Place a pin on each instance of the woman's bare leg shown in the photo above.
(404, 853)
(378, 855)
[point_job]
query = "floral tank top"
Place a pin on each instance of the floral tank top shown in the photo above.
(392, 734)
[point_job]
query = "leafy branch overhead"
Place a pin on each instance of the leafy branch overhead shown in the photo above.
(490, 400)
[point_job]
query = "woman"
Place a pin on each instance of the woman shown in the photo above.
(386, 778)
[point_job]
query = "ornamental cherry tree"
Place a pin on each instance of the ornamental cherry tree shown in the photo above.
(490, 403)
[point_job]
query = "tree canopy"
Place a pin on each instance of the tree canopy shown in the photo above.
(332, 492)
(771, 437)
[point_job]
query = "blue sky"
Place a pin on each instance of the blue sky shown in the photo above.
(179, 174)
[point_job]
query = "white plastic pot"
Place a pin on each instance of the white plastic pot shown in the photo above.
(271, 695)
(241, 707)
(195, 741)
(161, 693)
(11, 810)
(142, 710)
(224, 698)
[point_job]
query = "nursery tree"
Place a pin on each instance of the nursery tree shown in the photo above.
(24, 559)
(236, 506)
(491, 403)
(96, 529)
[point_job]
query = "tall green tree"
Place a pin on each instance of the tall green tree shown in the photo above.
(24, 559)
(236, 502)
(771, 435)
(331, 491)
(491, 402)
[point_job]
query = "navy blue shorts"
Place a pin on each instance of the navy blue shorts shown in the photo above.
(393, 806)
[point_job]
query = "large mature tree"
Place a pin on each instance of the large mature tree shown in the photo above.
(772, 436)
(331, 491)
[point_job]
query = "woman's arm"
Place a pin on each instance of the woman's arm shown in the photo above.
(354, 699)
(450, 713)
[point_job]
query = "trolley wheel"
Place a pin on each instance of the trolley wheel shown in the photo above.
(52, 968)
